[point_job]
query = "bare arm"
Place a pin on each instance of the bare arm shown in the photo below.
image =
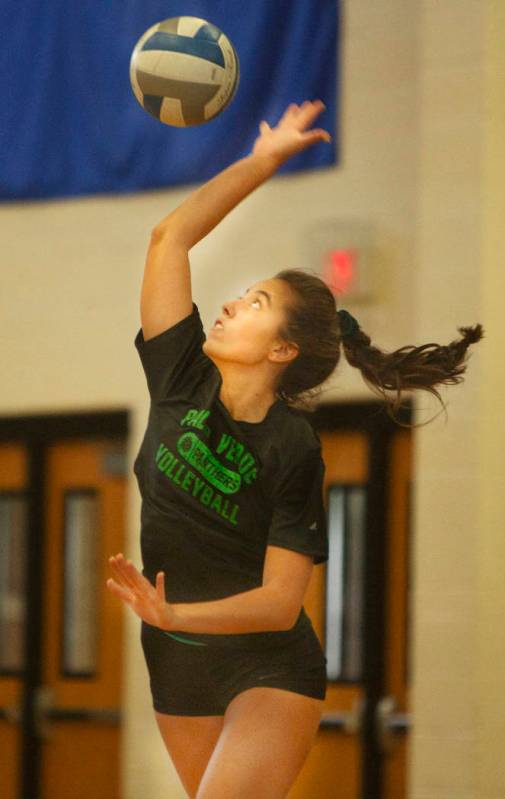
(166, 289)
(257, 610)
(275, 605)
(208, 205)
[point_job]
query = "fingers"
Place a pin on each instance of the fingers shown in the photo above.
(119, 571)
(312, 137)
(139, 581)
(128, 575)
(317, 134)
(302, 115)
(308, 113)
(160, 585)
(121, 592)
(291, 110)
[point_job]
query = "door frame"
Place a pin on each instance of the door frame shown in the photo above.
(37, 432)
(370, 417)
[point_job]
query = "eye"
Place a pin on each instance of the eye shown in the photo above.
(252, 301)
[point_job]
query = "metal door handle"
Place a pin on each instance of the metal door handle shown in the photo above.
(389, 724)
(43, 697)
(100, 715)
(349, 721)
(45, 711)
(11, 713)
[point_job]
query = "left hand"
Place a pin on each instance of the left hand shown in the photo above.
(290, 136)
(147, 601)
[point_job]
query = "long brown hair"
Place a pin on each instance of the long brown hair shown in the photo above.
(312, 323)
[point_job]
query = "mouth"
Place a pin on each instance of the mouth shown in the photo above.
(218, 325)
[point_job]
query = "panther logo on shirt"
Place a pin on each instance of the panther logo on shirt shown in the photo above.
(196, 454)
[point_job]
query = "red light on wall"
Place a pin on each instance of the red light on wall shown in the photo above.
(340, 270)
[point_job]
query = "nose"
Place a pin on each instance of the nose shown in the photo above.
(228, 307)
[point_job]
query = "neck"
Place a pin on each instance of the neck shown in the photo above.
(246, 399)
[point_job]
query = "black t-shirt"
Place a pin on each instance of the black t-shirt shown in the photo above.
(217, 491)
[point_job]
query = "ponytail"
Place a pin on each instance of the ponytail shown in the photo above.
(313, 324)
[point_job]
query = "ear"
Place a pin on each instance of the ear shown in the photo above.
(284, 352)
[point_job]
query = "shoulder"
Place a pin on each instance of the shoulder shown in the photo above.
(297, 464)
(173, 360)
(296, 435)
(172, 332)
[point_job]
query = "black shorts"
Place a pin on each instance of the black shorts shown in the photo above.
(191, 680)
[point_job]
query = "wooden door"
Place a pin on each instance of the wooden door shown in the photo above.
(85, 504)
(334, 766)
(393, 711)
(336, 602)
(75, 699)
(13, 541)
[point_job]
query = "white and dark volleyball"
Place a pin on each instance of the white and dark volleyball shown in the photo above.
(184, 71)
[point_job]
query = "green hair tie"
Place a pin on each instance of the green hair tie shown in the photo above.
(348, 324)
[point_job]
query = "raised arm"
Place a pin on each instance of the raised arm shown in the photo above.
(166, 289)
(166, 296)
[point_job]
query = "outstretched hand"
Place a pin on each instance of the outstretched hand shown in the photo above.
(146, 600)
(290, 136)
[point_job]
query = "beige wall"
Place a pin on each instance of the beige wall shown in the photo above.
(457, 744)
(490, 675)
(423, 166)
(443, 749)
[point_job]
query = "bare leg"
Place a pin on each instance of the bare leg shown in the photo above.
(266, 737)
(190, 741)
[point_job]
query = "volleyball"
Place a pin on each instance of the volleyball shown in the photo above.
(184, 71)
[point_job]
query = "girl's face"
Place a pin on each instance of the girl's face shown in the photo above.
(250, 325)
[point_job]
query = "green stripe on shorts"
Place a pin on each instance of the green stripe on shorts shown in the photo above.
(184, 640)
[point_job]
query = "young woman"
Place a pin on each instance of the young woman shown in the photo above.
(231, 476)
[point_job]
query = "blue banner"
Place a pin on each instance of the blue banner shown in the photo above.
(69, 121)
